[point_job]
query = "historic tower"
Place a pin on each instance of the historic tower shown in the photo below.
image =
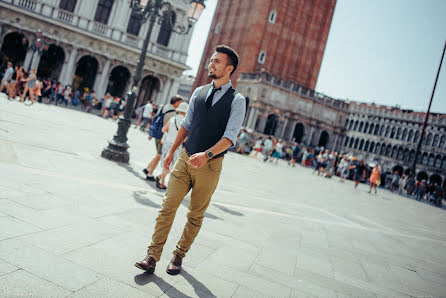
(281, 45)
(283, 38)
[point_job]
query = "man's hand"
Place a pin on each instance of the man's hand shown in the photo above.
(168, 160)
(197, 160)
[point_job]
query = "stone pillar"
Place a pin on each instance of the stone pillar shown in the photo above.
(166, 89)
(173, 89)
(252, 118)
(262, 124)
(68, 69)
(310, 136)
(36, 60)
(282, 129)
(100, 85)
(290, 133)
(27, 62)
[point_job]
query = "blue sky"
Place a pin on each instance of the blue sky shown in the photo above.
(381, 51)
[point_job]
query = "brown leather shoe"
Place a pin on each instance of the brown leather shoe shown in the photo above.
(175, 265)
(148, 264)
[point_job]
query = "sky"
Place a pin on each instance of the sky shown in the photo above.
(381, 51)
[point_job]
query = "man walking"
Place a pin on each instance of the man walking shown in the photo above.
(213, 121)
(169, 111)
(7, 77)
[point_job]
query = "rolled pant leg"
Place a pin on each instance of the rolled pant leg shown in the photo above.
(204, 182)
(179, 185)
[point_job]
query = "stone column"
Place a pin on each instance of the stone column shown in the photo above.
(68, 69)
(310, 136)
(36, 60)
(166, 89)
(282, 129)
(100, 85)
(252, 117)
(173, 89)
(27, 62)
(289, 135)
(262, 124)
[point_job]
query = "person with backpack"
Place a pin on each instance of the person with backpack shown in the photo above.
(161, 118)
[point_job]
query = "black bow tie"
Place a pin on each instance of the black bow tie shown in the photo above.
(211, 97)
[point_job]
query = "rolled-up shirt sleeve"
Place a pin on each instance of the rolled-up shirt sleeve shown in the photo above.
(238, 108)
(190, 110)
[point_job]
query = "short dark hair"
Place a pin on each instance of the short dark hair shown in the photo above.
(175, 99)
(232, 54)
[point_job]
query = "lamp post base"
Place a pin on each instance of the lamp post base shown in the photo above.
(117, 148)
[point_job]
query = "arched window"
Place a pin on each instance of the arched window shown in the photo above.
(68, 5)
(383, 149)
(166, 28)
(429, 139)
(394, 152)
(134, 24)
(400, 153)
(417, 136)
(412, 155)
(351, 125)
(361, 125)
(410, 137)
(346, 141)
(217, 28)
(372, 147)
(351, 142)
(424, 159)
(443, 163)
(262, 57)
(103, 11)
(389, 150)
(387, 131)
(435, 142)
(392, 134)
(406, 155)
(398, 133)
(356, 144)
(346, 123)
(431, 160)
(437, 162)
(361, 145)
(366, 127)
(377, 148)
(404, 134)
(356, 125)
(442, 141)
(376, 132)
(272, 17)
(366, 146)
(372, 126)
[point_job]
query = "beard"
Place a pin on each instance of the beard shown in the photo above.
(212, 76)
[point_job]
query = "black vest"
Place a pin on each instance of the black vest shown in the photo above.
(208, 126)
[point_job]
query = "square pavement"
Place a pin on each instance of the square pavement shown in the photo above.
(72, 224)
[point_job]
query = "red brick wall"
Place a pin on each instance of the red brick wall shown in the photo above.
(294, 45)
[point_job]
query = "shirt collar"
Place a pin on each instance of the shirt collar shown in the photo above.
(224, 87)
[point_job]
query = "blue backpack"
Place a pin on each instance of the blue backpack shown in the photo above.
(157, 125)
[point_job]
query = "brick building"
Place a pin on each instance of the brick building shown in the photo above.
(281, 45)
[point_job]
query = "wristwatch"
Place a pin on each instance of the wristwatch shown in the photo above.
(209, 154)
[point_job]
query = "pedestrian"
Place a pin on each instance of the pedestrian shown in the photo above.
(395, 181)
(344, 166)
(7, 77)
(170, 131)
(375, 178)
(146, 115)
(211, 126)
(30, 85)
(267, 148)
(167, 112)
(257, 148)
(360, 172)
(278, 151)
(242, 141)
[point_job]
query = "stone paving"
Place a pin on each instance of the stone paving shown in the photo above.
(72, 224)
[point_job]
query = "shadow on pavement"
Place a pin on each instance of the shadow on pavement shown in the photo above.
(129, 169)
(186, 202)
(140, 197)
(144, 278)
(199, 288)
(227, 210)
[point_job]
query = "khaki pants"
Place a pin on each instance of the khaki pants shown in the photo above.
(183, 177)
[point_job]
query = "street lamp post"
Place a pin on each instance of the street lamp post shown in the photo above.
(35, 47)
(144, 10)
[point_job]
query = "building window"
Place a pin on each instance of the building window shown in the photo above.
(262, 57)
(417, 136)
(67, 5)
(272, 17)
(217, 28)
(436, 139)
(361, 124)
(134, 24)
(103, 11)
(166, 29)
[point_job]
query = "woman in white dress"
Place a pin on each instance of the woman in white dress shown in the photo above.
(170, 131)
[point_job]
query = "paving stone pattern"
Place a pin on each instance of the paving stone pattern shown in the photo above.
(72, 224)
